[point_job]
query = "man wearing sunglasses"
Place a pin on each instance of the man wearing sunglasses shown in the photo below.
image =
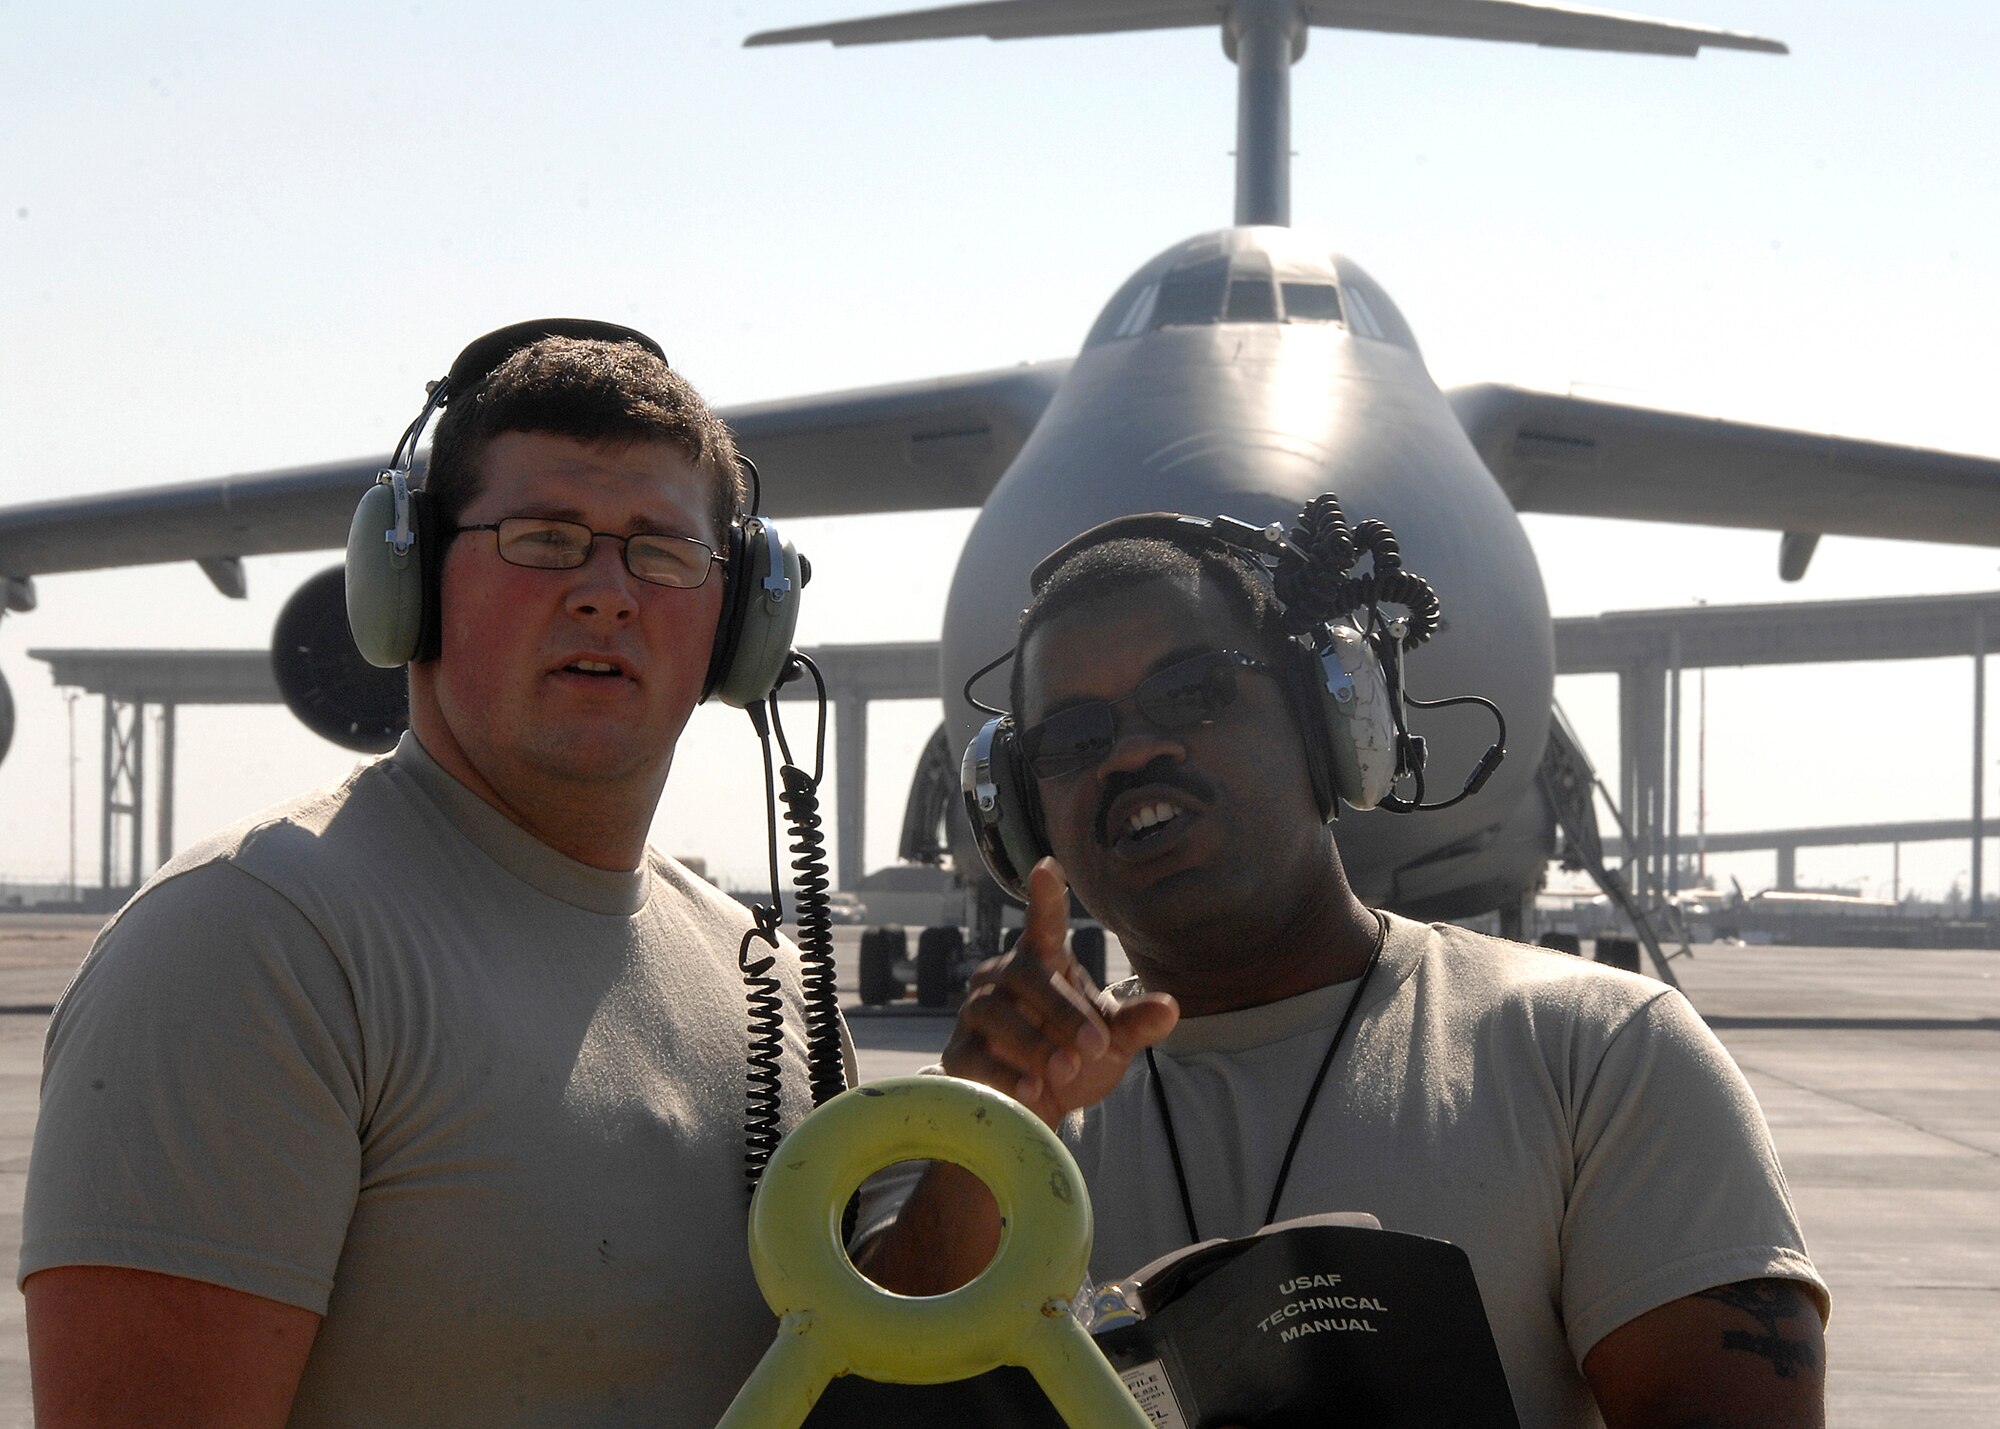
(420, 1101)
(1285, 1050)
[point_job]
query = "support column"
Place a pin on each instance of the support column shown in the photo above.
(1654, 750)
(1788, 868)
(1674, 763)
(124, 790)
(1628, 768)
(163, 844)
(850, 793)
(1642, 774)
(107, 782)
(1978, 909)
(1264, 36)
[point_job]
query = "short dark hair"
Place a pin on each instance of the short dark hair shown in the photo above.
(1111, 567)
(589, 389)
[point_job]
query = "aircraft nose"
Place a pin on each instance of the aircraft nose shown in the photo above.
(1224, 469)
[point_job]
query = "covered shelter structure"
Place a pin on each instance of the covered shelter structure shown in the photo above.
(134, 682)
(1646, 649)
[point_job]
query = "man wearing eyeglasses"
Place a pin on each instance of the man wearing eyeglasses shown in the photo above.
(420, 1101)
(1285, 1050)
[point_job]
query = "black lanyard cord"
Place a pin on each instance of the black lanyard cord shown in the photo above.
(1173, 1147)
(1305, 1112)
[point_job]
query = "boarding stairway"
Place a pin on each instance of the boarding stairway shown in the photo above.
(1572, 788)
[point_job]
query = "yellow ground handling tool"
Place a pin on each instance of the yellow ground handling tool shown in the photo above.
(832, 1320)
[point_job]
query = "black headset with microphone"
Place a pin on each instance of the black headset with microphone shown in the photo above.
(1341, 668)
(395, 553)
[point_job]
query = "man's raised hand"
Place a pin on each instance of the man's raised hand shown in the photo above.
(1036, 1027)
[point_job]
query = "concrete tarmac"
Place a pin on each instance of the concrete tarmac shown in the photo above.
(1879, 1071)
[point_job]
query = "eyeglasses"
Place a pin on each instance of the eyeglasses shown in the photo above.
(544, 544)
(1194, 691)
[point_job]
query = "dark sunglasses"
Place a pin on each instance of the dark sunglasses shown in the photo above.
(1190, 692)
(545, 544)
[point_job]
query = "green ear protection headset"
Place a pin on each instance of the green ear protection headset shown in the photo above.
(1341, 671)
(395, 552)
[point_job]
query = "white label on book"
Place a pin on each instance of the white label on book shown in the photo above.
(1155, 1392)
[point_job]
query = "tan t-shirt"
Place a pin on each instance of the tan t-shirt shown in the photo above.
(1577, 1130)
(384, 1055)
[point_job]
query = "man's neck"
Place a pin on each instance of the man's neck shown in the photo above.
(1325, 937)
(598, 832)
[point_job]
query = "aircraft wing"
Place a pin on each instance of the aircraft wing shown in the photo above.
(913, 446)
(1580, 456)
(909, 447)
(214, 522)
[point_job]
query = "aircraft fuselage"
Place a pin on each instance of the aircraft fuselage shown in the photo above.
(1250, 417)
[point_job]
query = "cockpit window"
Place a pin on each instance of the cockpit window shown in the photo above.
(1138, 316)
(1311, 302)
(1365, 321)
(1248, 286)
(1251, 299)
(1192, 294)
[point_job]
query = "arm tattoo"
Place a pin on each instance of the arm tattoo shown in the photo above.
(1769, 1303)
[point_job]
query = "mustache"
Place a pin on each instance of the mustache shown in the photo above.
(1163, 770)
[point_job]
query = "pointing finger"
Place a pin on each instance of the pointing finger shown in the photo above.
(1048, 914)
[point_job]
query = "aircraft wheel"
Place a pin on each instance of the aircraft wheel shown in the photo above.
(1088, 945)
(1619, 953)
(937, 952)
(881, 950)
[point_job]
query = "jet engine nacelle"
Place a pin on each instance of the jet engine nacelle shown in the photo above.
(334, 692)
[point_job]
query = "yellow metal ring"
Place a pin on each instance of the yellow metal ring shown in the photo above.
(834, 1320)
(1044, 1215)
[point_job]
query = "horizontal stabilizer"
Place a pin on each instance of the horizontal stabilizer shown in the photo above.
(1557, 26)
(1005, 20)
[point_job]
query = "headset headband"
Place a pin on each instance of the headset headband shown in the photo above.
(1190, 532)
(483, 356)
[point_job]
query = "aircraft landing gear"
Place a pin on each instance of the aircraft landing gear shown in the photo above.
(946, 955)
(1087, 943)
(938, 954)
(882, 950)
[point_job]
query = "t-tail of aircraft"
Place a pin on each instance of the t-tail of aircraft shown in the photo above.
(1265, 38)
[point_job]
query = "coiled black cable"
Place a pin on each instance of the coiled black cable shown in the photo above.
(763, 1072)
(1322, 587)
(1323, 537)
(811, 878)
(825, 1064)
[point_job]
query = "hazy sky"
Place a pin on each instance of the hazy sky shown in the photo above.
(239, 237)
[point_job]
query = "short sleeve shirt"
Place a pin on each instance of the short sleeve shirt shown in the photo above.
(384, 1055)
